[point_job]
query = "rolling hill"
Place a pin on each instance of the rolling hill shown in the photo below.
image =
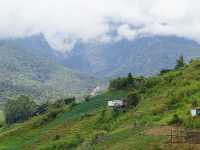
(91, 125)
(28, 66)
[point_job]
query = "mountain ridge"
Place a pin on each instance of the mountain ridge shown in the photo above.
(142, 56)
(29, 66)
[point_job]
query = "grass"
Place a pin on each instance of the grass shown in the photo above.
(29, 136)
(91, 125)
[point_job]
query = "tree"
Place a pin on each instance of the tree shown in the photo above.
(87, 98)
(19, 109)
(69, 100)
(130, 79)
(132, 99)
(180, 62)
(122, 83)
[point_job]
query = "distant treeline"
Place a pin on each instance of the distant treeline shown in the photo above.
(124, 83)
(130, 82)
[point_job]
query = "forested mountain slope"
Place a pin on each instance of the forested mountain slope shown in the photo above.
(28, 66)
(141, 56)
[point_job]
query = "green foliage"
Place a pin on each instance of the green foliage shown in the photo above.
(24, 71)
(62, 145)
(132, 99)
(180, 62)
(19, 110)
(164, 71)
(125, 83)
(62, 102)
(163, 100)
(69, 100)
(194, 103)
(87, 98)
(176, 120)
(53, 113)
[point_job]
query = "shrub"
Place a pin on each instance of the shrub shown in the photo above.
(87, 98)
(40, 121)
(53, 113)
(176, 120)
(69, 100)
(65, 145)
(132, 99)
(163, 71)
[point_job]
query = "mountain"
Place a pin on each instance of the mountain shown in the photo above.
(142, 56)
(28, 66)
(163, 110)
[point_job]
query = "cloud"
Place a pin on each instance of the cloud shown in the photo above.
(125, 31)
(64, 22)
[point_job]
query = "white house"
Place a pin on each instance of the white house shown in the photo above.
(195, 112)
(116, 103)
(95, 91)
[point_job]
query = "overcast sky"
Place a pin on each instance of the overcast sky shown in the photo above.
(63, 22)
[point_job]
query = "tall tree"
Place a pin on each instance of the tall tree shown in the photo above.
(130, 78)
(180, 62)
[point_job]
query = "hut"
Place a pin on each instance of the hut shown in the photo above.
(195, 112)
(116, 103)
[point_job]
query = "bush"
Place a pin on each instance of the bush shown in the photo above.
(65, 145)
(87, 98)
(164, 71)
(132, 99)
(176, 120)
(69, 100)
(54, 113)
(59, 103)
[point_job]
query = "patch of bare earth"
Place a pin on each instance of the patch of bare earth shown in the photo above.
(191, 138)
(157, 131)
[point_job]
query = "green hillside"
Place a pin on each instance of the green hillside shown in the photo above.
(35, 72)
(92, 125)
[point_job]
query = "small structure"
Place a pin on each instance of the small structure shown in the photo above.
(195, 112)
(116, 103)
(95, 91)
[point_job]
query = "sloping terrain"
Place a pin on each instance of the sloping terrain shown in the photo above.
(91, 125)
(142, 56)
(28, 66)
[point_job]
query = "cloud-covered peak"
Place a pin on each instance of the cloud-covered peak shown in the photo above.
(64, 22)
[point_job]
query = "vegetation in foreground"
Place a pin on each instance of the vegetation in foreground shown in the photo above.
(163, 100)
